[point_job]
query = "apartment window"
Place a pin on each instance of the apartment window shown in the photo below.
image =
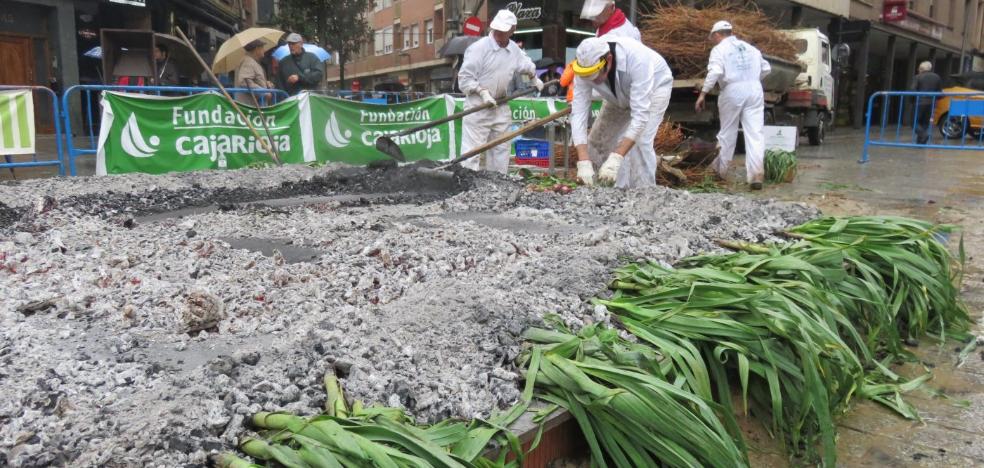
(429, 31)
(388, 40)
(380, 4)
(406, 38)
(415, 34)
(383, 39)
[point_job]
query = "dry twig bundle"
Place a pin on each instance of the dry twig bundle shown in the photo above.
(679, 34)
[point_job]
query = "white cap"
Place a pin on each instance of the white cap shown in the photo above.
(593, 8)
(294, 37)
(504, 21)
(589, 53)
(721, 26)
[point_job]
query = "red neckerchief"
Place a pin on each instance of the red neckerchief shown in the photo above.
(617, 19)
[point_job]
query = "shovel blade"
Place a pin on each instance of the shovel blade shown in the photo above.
(388, 147)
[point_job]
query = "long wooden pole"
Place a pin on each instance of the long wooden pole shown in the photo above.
(266, 127)
(506, 137)
(267, 144)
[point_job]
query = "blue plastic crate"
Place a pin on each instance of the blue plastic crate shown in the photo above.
(533, 152)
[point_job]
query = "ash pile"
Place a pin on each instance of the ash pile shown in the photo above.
(146, 318)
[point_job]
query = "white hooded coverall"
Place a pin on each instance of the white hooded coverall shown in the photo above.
(488, 66)
(600, 143)
(738, 68)
(643, 84)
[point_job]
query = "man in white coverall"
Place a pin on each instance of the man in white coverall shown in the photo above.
(634, 80)
(738, 68)
(486, 71)
(609, 21)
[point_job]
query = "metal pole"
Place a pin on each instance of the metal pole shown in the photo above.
(963, 39)
(633, 6)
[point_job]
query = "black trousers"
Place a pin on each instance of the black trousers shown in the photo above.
(922, 120)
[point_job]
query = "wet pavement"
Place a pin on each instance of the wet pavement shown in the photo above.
(941, 186)
(47, 151)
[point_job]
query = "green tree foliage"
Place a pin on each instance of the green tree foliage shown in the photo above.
(340, 26)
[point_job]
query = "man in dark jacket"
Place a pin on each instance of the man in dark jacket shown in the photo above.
(926, 82)
(301, 69)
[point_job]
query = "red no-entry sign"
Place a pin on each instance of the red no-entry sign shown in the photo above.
(473, 26)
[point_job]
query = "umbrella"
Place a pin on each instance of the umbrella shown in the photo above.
(319, 52)
(95, 52)
(457, 45)
(179, 54)
(232, 51)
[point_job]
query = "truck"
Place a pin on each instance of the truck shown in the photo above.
(796, 94)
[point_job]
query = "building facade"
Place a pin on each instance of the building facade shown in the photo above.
(404, 51)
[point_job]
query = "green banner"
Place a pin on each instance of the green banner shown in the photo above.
(525, 110)
(346, 131)
(155, 135)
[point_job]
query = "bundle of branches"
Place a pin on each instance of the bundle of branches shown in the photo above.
(560, 151)
(800, 325)
(627, 401)
(669, 137)
(384, 437)
(699, 179)
(679, 34)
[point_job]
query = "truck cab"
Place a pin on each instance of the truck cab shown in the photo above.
(812, 96)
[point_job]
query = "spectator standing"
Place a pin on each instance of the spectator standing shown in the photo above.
(166, 75)
(250, 73)
(301, 70)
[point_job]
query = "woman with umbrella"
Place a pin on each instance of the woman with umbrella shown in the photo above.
(250, 73)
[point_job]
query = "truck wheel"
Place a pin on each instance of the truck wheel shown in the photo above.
(816, 134)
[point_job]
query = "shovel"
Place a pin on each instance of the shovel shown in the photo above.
(505, 137)
(387, 146)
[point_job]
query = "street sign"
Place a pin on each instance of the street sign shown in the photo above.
(473, 26)
(894, 11)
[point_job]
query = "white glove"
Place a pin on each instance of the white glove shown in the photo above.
(609, 170)
(585, 172)
(486, 97)
(538, 83)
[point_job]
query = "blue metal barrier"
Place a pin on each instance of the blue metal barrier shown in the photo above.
(954, 115)
(377, 97)
(9, 163)
(90, 119)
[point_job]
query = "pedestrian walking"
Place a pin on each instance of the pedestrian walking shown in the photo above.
(636, 83)
(927, 81)
(737, 68)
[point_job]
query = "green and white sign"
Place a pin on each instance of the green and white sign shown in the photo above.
(16, 122)
(155, 135)
(346, 131)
